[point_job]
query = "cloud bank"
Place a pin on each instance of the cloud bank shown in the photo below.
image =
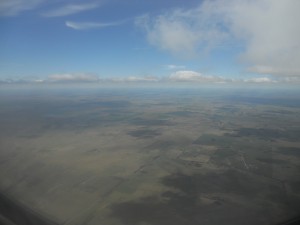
(176, 77)
(265, 32)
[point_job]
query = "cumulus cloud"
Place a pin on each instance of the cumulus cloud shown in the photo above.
(14, 7)
(181, 32)
(73, 77)
(271, 34)
(266, 30)
(70, 9)
(89, 25)
(192, 76)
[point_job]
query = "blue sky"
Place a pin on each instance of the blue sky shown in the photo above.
(134, 40)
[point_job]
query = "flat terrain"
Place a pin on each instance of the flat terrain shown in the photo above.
(150, 156)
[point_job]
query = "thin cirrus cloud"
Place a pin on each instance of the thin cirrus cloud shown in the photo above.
(265, 30)
(90, 25)
(70, 9)
(15, 7)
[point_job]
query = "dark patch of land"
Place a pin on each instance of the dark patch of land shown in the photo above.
(188, 204)
(271, 160)
(19, 214)
(278, 101)
(294, 151)
(181, 113)
(268, 134)
(150, 122)
(144, 133)
(216, 140)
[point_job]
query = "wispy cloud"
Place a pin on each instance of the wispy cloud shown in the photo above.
(266, 29)
(90, 25)
(94, 78)
(174, 67)
(14, 7)
(134, 79)
(192, 76)
(72, 77)
(70, 9)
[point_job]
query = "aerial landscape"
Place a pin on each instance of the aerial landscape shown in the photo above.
(149, 112)
(152, 156)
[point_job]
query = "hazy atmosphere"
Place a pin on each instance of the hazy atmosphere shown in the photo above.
(149, 112)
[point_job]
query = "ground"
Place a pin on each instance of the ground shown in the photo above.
(152, 156)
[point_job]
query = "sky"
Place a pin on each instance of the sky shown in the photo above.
(202, 41)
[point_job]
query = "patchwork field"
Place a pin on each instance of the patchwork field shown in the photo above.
(150, 156)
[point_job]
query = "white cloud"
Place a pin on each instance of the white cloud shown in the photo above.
(291, 79)
(260, 80)
(267, 31)
(278, 71)
(174, 67)
(89, 25)
(88, 77)
(149, 78)
(134, 79)
(181, 76)
(181, 32)
(14, 7)
(192, 76)
(73, 77)
(70, 9)
(271, 32)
